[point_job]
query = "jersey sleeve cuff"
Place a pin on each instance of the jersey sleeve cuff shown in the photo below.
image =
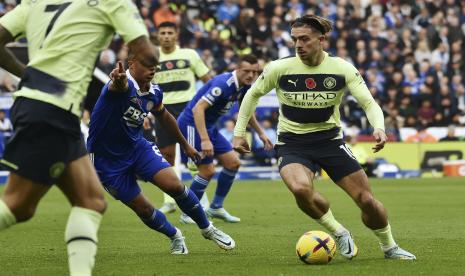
(239, 133)
(207, 100)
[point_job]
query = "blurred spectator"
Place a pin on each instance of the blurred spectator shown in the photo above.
(450, 135)
(5, 124)
(228, 130)
(409, 52)
(107, 61)
(426, 112)
(227, 11)
(163, 13)
(264, 157)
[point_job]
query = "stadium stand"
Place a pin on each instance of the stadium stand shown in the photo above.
(409, 52)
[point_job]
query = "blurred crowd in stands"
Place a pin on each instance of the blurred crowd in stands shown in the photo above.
(409, 52)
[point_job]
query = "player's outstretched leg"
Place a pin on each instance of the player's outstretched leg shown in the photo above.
(299, 180)
(226, 178)
(194, 171)
(374, 215)
(199, 184)
(157, 221)
(190, 205)
(345, 242)
(188, 202)
(390, 248)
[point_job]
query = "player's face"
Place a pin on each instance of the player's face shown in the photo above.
(167, 37)
(142, 71)
(307, 42)
(247, 73)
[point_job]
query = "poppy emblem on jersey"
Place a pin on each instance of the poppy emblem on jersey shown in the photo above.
(180, 64)
(310, 83)
(216, 91)
(329, 82)
(169, 65)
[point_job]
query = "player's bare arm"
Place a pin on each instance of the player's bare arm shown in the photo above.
(7, 60)
(268, 145)
(119, 80)
(168, 122)
(199, 117)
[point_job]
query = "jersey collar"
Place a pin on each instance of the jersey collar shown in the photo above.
(236, 81)
(136, 85)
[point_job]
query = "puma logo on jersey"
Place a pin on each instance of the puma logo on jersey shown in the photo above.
(293, 82)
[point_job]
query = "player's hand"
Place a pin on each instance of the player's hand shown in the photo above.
(119, 80)
(240, 145)
(381, 139)
(207, 148)
(193, 154)
(268, 145)
(146, 124)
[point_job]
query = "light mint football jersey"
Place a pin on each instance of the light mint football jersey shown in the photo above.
(309, 96)
(64, 38)
(177, 73)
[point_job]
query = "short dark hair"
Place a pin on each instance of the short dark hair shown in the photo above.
(247, 58)
(132, 55)
(167, 24)
(315, 22)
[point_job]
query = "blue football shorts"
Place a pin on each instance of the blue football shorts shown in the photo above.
(119, 174)
(220, 144)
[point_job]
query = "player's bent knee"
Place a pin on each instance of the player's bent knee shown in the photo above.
(145, 211)
(301, 190)
(97, 204)
(207, 173)
(234, 165)
(175, 189)
(366, 201)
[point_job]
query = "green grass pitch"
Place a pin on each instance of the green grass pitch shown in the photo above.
(426, 215)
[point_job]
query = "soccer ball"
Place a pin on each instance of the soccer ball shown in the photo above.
(315, 247)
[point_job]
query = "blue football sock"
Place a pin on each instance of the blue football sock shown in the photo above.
(190, 205)
(159, 223)
(225, 181)
(199, 184)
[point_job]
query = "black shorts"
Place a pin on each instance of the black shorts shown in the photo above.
(40, 149)
(333, 156)
(162, 137)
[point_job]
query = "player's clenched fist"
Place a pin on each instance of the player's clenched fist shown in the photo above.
(119, 80)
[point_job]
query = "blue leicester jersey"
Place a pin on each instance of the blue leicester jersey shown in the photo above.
(117, 119)
(221, 93)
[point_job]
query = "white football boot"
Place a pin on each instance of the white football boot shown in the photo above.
(178, 245)
(399, 254)
(222, 239)
(221, 213)
(345, 245)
